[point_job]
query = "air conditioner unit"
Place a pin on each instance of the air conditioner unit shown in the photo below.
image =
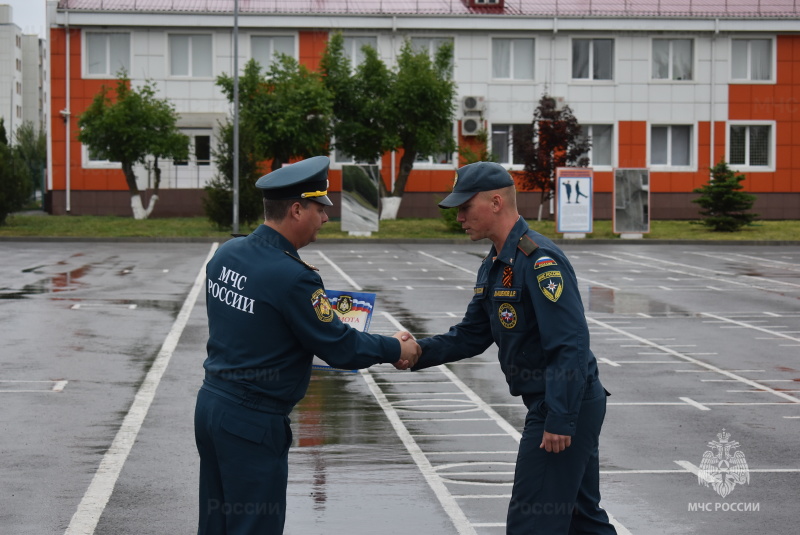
(472, 103)
(470, 126)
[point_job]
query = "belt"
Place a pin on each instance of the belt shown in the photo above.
(246, 397)
(593, 389)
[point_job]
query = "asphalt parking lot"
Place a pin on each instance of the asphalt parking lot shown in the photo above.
(102, 354)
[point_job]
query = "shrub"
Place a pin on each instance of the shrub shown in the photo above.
(724, 204)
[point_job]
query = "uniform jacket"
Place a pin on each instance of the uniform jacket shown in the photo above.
(268, 315)
(536, 318)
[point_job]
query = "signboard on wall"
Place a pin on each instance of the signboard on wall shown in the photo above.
(574, 187)
(631, 201)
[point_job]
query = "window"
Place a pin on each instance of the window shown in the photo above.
(750, 145)
(513, 59)
(593, 59)
(751, 59)
(90, 159)
(507, 142)
(263, 49)
(673, 59)
(353, 46)
(428, 44)
(602, 137)
(201, 150)
(107, 53)
(190, 55)
(438, 158)
(671, 145)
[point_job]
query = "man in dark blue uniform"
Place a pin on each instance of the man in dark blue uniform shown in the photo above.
(526, 301)
(268, 315)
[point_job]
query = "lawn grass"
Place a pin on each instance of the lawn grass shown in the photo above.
(22, 225)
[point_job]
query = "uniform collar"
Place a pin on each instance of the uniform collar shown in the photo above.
(275, 238)
(509, 251)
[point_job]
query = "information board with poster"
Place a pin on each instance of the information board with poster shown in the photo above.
(354, 309)
(574, 187)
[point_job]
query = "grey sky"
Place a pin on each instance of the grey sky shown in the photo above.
(28, 15)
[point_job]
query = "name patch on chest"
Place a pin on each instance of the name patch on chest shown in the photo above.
(507, 294)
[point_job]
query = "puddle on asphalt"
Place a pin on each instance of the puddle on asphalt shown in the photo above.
(607, 300)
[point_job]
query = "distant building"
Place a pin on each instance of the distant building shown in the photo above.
(674, 87)
(10, 71)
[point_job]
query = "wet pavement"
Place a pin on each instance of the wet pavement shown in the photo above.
(691, 340)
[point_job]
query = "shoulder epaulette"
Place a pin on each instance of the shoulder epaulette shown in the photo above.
(527, 245)
(309, 266)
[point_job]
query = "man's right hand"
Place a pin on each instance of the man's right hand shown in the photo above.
(409, 350)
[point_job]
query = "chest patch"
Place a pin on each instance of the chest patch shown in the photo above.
(322, 306)
(507, 315)
(551, 284)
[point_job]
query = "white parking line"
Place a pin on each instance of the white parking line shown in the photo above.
(94, 501)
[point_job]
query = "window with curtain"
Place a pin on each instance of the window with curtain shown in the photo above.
(190, 55)
(507, 141)
(264, 48)
(602, 139)
(107, 53)
(750, 145)
(513, 59)
(353, 46)
(593, 59)
(671, 145)
(673, 59)
(430, 45)
(751, 59)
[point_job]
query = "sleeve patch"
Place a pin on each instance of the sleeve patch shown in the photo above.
(322, 306)
(551, 284)
(544, 262)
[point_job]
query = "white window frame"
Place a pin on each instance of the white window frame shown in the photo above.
(669, 78)
(352, 51)
(614, 143)
(108, 72)
(772, 147)
(190, 76)
(773, 61)
(88, 163)
(507, 164)
(512, 78)
(338, 163)
(294, 53)
(669, 166)
(591, 79)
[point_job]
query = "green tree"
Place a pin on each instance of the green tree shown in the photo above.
(363, 125)
(32, 146)
(723, 201)
(218, 202)
(555, 140)
(15, 182)
(287, 110)
(378, 109)
(130, 128)
(423, 101)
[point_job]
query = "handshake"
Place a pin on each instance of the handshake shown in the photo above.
(409, 350)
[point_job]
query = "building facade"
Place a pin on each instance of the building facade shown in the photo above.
(674, 89)
(11, 103)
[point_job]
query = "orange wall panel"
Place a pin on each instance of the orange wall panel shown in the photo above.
(312, 46)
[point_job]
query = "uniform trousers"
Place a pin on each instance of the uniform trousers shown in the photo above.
(559, 493)
(243, 466)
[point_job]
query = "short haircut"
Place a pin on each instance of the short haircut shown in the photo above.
(277, 210)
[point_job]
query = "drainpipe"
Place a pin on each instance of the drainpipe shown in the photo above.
(66, 114)
(713, 65)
